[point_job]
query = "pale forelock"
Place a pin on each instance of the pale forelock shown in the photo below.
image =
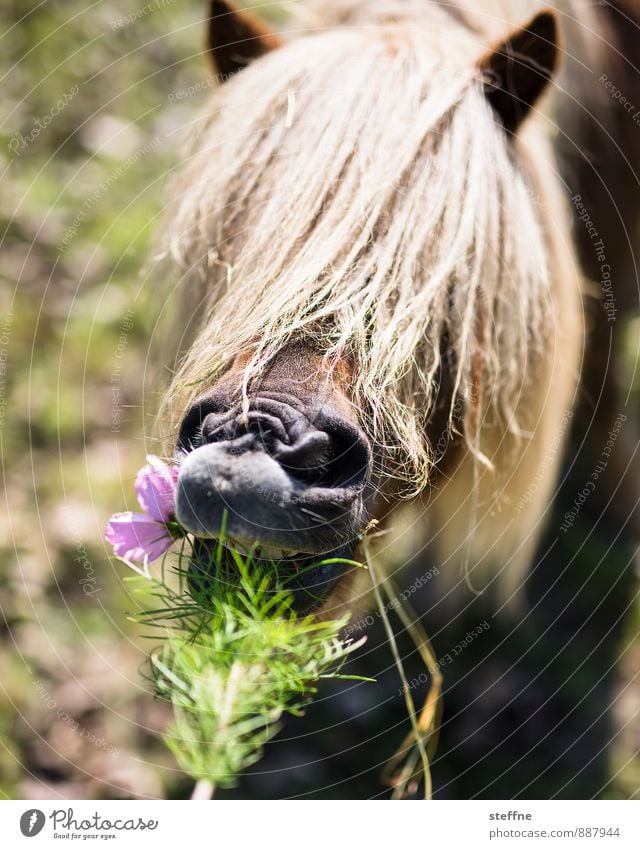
(356, 190)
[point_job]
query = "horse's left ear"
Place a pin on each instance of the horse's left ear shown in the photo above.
(235, 38)
(517, 71)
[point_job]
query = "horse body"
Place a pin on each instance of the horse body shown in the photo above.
(378, 244)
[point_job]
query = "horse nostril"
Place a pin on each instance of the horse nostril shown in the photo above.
(215, 428)
(336, 457)
(350, 465)
(308, 456)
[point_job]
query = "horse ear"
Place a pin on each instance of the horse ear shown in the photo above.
(236, 38)
(518, 70)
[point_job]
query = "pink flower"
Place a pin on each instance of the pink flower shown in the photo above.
(146, 536)
(156, 489)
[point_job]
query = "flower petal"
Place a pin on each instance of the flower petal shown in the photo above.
(156, 489)
(135, 536)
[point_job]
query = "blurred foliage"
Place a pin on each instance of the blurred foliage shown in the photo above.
(87, 137)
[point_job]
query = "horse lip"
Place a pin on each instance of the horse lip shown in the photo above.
(314, 518)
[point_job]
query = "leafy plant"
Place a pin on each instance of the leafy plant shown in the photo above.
(234, 657)
(235, 654)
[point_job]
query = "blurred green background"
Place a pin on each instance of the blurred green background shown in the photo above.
(95, 100)
(89, 134)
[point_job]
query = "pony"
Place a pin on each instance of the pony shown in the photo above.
(386, 312)
(388, 300)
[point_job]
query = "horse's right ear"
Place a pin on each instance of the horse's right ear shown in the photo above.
(236, 38)
(518, 70)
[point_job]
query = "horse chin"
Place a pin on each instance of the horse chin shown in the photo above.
(310, 578)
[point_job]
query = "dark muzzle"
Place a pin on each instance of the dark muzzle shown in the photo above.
(276, 476)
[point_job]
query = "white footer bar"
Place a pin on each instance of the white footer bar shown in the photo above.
(319, 825)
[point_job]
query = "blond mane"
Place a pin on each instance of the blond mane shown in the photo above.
(356, 191)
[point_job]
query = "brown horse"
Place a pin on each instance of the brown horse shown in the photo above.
(379, 252)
